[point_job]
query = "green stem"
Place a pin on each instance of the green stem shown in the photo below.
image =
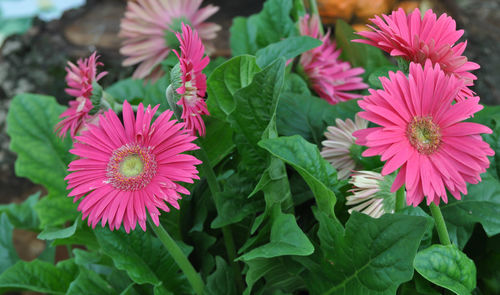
(400, 199)
(227, 234)
(179, 257)
(314, 10)
(444, 238)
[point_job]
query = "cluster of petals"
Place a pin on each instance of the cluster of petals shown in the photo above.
(124, 169)
(338, 143)
(146, 25)
(421, 132)
(79, 79)
(417, 38)
(330, 77)
(367, 194)
(194, 82)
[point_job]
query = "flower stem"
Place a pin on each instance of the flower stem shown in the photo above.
(313, 6)
(179, 257)
(400, 199)
(444, 238)
(227, 234)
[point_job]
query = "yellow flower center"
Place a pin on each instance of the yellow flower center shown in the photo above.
(424, 135)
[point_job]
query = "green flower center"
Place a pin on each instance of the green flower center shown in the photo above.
(131, 166)
(424, 135)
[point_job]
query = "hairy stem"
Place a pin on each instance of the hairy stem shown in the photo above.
(444, 238)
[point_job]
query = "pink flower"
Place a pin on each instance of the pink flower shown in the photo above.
(125, 168)
(79, 77)
(328, 76)
(421, 133)
(417, 39)
(194, 82)
(149, 26)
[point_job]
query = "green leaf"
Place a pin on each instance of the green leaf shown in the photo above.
(306, 159)
(8, 255)
(270, 25)
(89, 283)
(286, 239)
(481, 204)
(448, 267)
(358, 54)
(56, 210)
(38, 276)
(309, 116)
(222, 280)
(30, 125)
(374, 78)
(225, 80)
(288, 48)
(14, 26)
(23, 215)
(143, 258)
(218, 141)
(372, 256)
(51, 233)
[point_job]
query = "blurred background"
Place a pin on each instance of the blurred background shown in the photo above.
(38, 37)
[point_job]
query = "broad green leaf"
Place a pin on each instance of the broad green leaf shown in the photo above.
(51, 233)
(218, 141)
(143, 258)
(23, 215)
(309, 116)
(447, 267)
(280, 273)
(481, 204)
(225, 80)
(358, 54)
(41, 155)
(222, 280)
(56, 210)
(374, 78)
(305, 158)
(372, 256)
(8, 255)
(89, 283)
(83, 235)
(38, 276)
(270, 25)
(286, 239)
(288, 48)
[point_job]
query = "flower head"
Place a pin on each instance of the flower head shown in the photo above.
(79, 77)
(421, 133)
(371, 193)
(194, 82)
(328, 76)
(416, 38)
(149, 30)
(338, 143)
(125, 168)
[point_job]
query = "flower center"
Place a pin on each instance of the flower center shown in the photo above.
(131, 167)
(424, 135)
(191, 94)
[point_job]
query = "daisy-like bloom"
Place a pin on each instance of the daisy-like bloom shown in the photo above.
(421, 133)
(416, 38)
(149, 26)
(79, 79)
(328, 76)
(371, 193)
(338, 143)
(125, 168)
(194, 82)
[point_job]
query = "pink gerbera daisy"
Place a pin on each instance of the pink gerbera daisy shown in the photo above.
(328, 76)
(79, 78)
(421, 133)
(149, 27)
(194, 82)
(125, 168)
(416, 38)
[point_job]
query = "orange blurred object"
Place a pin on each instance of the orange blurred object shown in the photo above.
(366, 9)
(360, 27)
(408, 6)
(331, 10)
